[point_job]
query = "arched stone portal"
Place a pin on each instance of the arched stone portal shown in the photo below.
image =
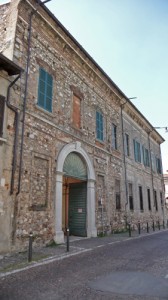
(91, 226)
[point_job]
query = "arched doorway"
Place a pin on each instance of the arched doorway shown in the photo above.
(75, 169)
(74, 195)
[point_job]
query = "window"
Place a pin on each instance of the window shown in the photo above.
(146, 160)
(155, 200)
(161, 199)
(114, 136)
(149, 199)
(76, 115)
(2, 107)
(141, 198)
(117, 192)
(130, 195)
(137, 151)
(158, 166)
(153, 162)
(45, 90)
(99, 126)
(127, 149)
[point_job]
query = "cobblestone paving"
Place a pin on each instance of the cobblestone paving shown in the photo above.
(11, 262)
(70, 278)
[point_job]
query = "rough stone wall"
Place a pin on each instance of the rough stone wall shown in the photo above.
(9, 14)
(46, 133)
(3, 23)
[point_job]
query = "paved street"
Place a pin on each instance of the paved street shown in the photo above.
(130, 269)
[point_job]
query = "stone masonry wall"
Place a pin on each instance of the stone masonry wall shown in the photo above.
(46, 133)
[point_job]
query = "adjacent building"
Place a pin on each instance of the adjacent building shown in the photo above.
(85, 158)
(9, 121)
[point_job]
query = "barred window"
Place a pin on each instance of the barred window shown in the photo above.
(149, 199)
(141, 198)
(130, 193)
(117, 193)
(155, 200)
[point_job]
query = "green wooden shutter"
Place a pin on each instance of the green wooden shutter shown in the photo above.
(45, 90)
(49, 85)
(99, 125)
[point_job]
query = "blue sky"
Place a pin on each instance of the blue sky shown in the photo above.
(129, 40)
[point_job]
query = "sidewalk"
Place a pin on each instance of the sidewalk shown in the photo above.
(12, 263)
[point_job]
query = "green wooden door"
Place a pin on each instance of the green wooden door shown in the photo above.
(77, 209)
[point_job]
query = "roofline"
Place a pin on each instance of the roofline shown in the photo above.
(9, 66)
(94, 62)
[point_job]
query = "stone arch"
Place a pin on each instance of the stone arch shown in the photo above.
(91, 227)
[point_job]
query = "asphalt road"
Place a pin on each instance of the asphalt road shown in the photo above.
(132, 269)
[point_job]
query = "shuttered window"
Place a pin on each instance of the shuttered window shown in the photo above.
(127, 147)
(45, 90)
(99, 126)
(146, 160)
(137, 151)
(2, 107)
(158, 166)
(76, 115)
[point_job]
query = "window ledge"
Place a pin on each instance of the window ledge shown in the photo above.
(99, 142)
(115, 151)
(44, 110)
(3, 140)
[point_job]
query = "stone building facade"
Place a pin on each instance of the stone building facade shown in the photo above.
(165, 176)
(9, 72)
(87, 159)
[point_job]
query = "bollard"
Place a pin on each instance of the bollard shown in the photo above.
(30, 247)
(67, 239)
(167, 223)
(153, 226)
(147, 227)
(129, 228)
(158, 225)
(139, 227)
(163, 224)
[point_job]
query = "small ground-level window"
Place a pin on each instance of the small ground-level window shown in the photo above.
(117, 194)
(149, 199)
(141, 198)
(155, 200)
(130, 195)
